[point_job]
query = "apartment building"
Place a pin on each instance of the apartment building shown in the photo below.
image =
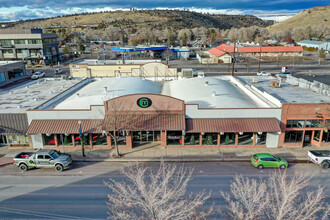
(30, 45)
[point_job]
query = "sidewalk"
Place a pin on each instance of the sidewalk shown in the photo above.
(153, 152)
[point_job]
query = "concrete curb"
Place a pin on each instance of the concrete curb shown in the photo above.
(178, 160)
(4, 164)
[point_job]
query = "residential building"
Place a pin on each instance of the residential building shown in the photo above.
(30, 45)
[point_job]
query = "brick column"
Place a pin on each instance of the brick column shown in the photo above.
(163, 139)
(108, 140)
(129, 143)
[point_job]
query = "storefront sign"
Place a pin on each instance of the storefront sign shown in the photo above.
(144, 102)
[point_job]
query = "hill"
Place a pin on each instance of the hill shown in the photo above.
(307, 18)
(136, 19)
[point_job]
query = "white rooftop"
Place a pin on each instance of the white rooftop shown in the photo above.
(33, 94)
(287, 93)
(2, 63)
(217, 93)
(95, 93)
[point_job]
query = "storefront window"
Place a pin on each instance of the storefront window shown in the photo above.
(15, 139)
(48, 139)
(293, 136)
(3, 139)
(228, 139)
(67, 140)
(99, 140)
(174, 137)
(84, 140)
(295, 124)
(314, 123)
(210, 139)
(326, 136)
(121, 140)
(317, 135)
(245, 138)
(2, 77)
(191, 139)
(261, 139)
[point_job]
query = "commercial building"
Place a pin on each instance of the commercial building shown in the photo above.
(30, 45)
(138, 68)
(224, 53)
(11, 71)
(242, 112)
(325, 45)
(16, 101)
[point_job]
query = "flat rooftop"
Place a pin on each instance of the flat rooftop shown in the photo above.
(100, 90)
(287, 93)
(2, 63)
(33, 94)
(211, 92)
(320, 78)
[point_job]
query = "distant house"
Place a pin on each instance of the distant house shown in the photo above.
(315, 44)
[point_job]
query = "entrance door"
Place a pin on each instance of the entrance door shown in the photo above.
(146, 136)
(308, 138)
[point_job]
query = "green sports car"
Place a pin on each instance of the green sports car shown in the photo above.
(263, 160)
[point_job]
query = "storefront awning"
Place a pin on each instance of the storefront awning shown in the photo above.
(64, 126)
(144, 122)
(16, 123)
(233, 125)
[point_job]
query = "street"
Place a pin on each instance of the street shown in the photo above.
(79, 192)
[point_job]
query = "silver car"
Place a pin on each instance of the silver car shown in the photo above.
(38, 75)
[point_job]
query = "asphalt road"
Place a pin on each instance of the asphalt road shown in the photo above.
(79, 192)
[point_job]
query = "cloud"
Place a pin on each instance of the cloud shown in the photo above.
(17, 10)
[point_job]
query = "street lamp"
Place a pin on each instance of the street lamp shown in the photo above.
(81, 139)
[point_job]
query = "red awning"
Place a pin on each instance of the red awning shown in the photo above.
(140, 122)
(64, 126)
(233, 125)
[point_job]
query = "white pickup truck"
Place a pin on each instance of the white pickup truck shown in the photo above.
(320, 157)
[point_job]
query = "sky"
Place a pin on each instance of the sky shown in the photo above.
(11, 10)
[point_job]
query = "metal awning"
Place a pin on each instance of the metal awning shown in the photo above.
(143, 122)
(16, 123)
(233, 125)
(64, 126)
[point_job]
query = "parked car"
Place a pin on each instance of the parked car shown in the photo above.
(320, 157)
(38, 75)
(58, 71)
(283, 74)
(265, 160)
(263, 73)
(43, 159)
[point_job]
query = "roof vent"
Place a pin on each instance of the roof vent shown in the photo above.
(35, 99)
(77, 94)
(19, 106)
(214, 93)
(105, 89)
(27, 87)
(50, 92)
(206, 83)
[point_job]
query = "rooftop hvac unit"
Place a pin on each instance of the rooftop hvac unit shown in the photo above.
(254, 80)
(275, 84)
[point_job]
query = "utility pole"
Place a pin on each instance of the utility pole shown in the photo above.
(233, 64)
(259, 60)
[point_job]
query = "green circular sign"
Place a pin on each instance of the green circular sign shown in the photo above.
(144, 102)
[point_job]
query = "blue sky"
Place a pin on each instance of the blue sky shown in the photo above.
(11, 10)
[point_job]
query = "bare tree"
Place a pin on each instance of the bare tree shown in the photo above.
(160, 194)
(118, 122)
(276, 198)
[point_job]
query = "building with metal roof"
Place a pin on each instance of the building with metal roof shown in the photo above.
(325, 45)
